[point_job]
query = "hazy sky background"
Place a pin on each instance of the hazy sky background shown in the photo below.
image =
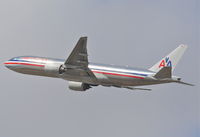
(124, 32)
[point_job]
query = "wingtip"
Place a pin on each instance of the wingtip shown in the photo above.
(83, 37)
(183, 46)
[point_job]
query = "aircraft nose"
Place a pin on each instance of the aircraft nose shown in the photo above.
(6, 64)
(11, 64)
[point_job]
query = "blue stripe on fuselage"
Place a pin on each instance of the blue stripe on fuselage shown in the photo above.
(121, 72)
(18, 60)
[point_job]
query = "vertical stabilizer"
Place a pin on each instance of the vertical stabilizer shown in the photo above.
(170, 60)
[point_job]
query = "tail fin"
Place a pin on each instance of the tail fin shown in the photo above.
(170, 60)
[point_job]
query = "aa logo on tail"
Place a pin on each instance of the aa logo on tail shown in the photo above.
(165, 63)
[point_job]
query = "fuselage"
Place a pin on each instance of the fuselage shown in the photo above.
(106, 75)
(83, 75)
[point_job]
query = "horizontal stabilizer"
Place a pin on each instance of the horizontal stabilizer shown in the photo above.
(165, 72)
(180, 82)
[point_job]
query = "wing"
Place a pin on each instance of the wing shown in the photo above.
(78, 56)
(132, 88)
(77, 62)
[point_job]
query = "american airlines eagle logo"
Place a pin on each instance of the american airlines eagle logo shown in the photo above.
(165, 63)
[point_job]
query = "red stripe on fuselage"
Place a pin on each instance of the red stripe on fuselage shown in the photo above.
(108, 73)
(28, 64)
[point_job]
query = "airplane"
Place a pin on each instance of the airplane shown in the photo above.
(83, 75)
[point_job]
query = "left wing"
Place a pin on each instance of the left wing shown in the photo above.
(79, 56)
(77, 62)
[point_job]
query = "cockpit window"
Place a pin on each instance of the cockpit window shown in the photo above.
(14, 58)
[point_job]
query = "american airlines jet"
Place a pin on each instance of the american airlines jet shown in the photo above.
(83, 75)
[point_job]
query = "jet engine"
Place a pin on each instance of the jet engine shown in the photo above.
(62, 69)
(52, 68)
(78, 86)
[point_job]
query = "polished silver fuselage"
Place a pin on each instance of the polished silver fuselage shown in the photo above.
(83, 75)
(106, 75)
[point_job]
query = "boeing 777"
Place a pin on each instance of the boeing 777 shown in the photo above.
(83, 75)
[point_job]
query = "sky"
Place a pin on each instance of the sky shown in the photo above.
(137, 33)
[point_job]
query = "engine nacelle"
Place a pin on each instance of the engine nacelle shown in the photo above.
(78, 86)
(52, 69)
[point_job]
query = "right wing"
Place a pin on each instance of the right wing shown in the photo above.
(132, 88)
